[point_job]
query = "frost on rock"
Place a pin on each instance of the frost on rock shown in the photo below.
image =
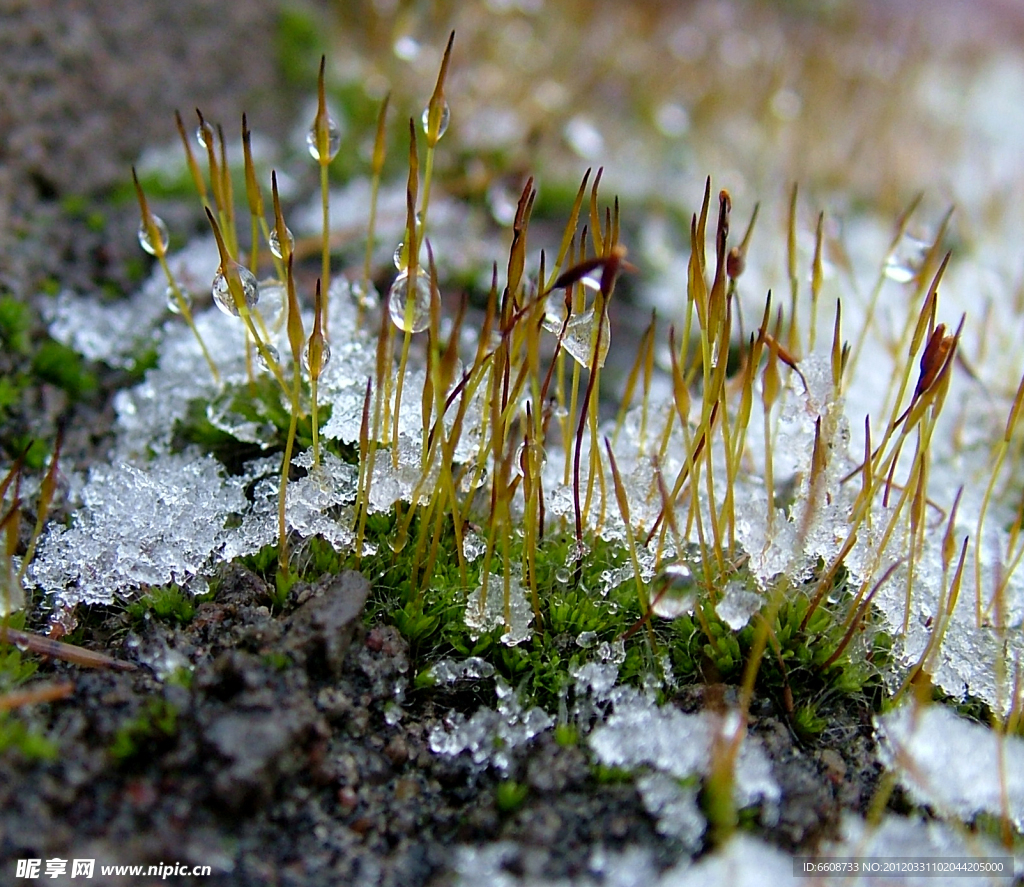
(490, 735)
(485, 610)
(140, 525)
(952, 764)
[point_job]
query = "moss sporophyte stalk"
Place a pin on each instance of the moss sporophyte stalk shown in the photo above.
(467, 455)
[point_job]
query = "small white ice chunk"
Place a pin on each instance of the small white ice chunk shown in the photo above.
(448, 671)
(738, 605)
(490, 735)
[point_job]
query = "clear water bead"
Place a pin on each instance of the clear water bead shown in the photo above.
(333, 140)
(530, 458)
(147, 243)
(673, 591)
(904, 262)
(410, 311)
(173, 304)
(275, 242)
(222, 291)
(205, 135)
(446, 116)
(401, 259)
(325, 356)
(274, 356)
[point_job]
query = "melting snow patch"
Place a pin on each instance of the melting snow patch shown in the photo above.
(899, 836)
(639, 733)
(952, 764)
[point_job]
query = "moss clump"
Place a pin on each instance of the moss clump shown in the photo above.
(154, 726)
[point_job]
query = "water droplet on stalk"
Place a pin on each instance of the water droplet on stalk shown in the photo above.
(274, 355)
(446, 116)
(530, 457)
(673, 591)
(173, 305)
(147, 243)
(275, 242)
(333, 140)
(205, 135)
(222, 291)
(904, 262)
(410, 302)
(325, 357)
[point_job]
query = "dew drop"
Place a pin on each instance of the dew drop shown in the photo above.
(904, 262)
(396, 539)
(410, 315)
(586, 639)
(222, 292)
(274, 355)
(401, 260)
(446, 116)
(146, 242)
(325, 356)
(673, 591)
(562, 575)
(173, 305)
(333, 140)
(275, 242)
(205, 135)
(530, 457)
(472, 479)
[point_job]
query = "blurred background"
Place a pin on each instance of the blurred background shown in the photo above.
(865, 104)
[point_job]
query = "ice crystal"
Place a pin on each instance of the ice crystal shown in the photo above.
(116, 332)
(448, 671)
(737, 605)
(486, 610)
(490, 735)
(743, 862)
(141, 525)
(900, 836)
